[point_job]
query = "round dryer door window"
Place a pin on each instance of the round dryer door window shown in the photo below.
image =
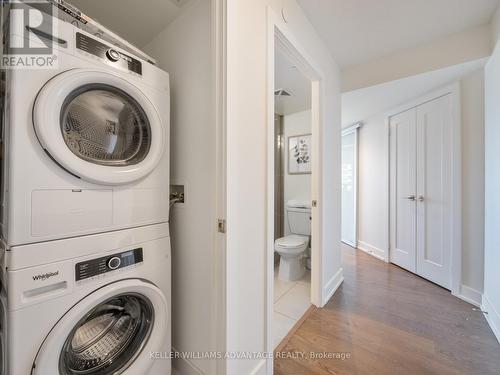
(111, 331)
(99, 127)
(104, 125)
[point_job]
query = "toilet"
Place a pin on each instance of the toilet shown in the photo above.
(292, 248)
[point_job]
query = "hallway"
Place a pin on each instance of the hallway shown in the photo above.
(390, 321)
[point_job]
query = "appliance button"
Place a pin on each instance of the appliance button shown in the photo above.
(113, 54)
(114, 263)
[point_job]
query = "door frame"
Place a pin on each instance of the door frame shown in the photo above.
(279, 35)
(349, 130)
(456, 199)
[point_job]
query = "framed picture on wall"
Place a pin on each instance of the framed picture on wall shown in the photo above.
(299, 154)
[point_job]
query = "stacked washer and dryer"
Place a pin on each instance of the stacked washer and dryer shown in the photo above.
(85, 179)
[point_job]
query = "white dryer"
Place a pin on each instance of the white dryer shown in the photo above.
(98, 304)
(86, 144)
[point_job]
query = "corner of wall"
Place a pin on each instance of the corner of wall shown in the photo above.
(495, 26)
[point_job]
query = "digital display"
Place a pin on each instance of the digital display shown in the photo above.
(99, 266)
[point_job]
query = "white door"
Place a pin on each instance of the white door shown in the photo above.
(434, 190)
(349, 187)
(421, 190)
(403, 190)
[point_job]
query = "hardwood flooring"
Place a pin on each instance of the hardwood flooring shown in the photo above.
(389, 321)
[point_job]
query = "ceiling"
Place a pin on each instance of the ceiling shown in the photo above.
(361, 104)
(132, 19)
(357, 31)
(289, 78)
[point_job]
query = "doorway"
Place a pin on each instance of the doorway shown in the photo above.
(281, 40)
(292, 193)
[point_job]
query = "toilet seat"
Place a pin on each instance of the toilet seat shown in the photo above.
(291, 243)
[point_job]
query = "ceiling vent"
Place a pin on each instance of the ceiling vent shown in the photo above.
(281, 92)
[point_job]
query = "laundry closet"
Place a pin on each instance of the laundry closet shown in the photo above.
(99, 266)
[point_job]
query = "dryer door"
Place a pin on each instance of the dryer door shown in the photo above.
(111, 331)
(99, 127)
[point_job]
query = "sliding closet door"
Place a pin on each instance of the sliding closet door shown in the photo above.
(403, 190)
(434, 190)
(349, 187)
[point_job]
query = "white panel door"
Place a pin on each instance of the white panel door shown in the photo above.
(349, 188)
(403, 190)
(434, 190)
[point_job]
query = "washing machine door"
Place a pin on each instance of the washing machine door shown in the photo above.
(111, 331)
(99, 127)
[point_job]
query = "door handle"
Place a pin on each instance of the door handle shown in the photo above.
(411, 197)
(420, 198)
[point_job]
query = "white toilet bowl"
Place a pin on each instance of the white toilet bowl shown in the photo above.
(291, 250)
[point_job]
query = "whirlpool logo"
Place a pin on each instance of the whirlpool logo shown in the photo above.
(45, 276)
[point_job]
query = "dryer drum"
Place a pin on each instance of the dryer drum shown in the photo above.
(109, 338)
(104, 125)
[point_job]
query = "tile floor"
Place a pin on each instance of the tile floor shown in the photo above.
(291, 301)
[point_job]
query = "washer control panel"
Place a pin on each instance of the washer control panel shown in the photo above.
(99, 266)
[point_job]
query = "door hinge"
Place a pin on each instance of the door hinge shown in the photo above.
(221, 226)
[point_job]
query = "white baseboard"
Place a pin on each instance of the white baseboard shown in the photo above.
(332, 286)
(260, 369)
(470, 295)
(493, 318)
(372, 250)
(184, 366)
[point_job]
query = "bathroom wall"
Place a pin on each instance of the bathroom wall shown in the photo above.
(184, 49)
(297, 186)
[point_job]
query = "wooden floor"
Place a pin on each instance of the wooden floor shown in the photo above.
(390, 321)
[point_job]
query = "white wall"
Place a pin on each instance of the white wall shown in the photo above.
(247, 163)
(184, 50)
(491, 297)
(374, 177)
(296, 186)
(451, 50)
(472, 87)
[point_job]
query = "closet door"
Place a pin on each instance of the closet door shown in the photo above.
(434, 190)
(349, 187)
(403, 190)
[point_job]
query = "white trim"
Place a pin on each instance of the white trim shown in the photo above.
(278, 34)
(456, 242)
(352, 128)
(470, 295)
(493, 317)
(332, 285)
(372, 250)
(184, 366)
(220, 266)
(260, 369)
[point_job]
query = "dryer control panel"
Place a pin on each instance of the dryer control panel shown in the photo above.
(108, 54)
(99, 266)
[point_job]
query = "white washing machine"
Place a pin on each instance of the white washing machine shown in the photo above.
(98, 304)
(86, 144)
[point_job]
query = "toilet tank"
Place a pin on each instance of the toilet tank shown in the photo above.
(299, 217)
